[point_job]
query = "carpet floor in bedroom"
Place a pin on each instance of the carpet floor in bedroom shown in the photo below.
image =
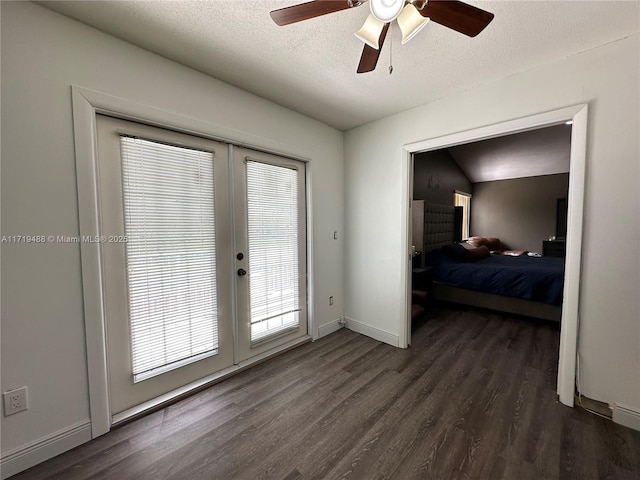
(473, 398)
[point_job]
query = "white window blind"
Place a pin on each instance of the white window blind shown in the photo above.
(170, 253)
(272, 207)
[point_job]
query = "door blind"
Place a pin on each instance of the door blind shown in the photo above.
(272, 207)
(170, 254)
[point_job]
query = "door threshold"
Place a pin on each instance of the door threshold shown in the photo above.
(174, 396)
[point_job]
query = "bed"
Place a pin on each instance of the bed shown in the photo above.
(524, 285)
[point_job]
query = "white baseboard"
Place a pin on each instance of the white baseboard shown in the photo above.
(33, 453)
(373, 332)
(626, 416)
(327, 328)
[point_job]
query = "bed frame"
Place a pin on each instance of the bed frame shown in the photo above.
(439, 228)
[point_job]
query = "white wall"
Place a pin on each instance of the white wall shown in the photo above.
(608, 79)
(521, 212)
(43, 53)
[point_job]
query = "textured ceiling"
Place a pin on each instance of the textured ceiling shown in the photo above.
(545, 151)
(310, 66)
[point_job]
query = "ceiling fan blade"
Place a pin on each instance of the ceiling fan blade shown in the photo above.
(369, 58)
(305, 11)
(458, 16)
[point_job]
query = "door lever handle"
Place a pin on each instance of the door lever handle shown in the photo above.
(242, 272)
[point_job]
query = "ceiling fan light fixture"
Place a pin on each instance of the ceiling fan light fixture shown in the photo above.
(386, 11)
(411, 22)
(370, 32)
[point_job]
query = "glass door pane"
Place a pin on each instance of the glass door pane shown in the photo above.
(272, 222)
(271, 238)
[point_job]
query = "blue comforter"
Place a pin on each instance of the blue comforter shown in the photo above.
(540, 279)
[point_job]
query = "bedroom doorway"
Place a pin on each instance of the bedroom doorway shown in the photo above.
(577, 115)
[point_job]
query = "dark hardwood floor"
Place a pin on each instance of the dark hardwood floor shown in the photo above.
(474, 398)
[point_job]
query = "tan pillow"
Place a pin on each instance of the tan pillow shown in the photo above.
(477, 241)
(493, 243)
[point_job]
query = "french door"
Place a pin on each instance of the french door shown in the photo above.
(270, 251)
(191, 285)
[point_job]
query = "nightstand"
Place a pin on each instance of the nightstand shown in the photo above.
(421, 278)
(420, 291)
(554, 248)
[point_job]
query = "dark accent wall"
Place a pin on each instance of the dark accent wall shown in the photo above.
(521, 212)
(435, 177)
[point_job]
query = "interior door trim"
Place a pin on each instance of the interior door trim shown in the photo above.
(579, 115)
(86, 104)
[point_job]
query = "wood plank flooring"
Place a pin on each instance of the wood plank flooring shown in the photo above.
(474, 398)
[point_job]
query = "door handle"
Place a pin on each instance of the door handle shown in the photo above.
(242, 272)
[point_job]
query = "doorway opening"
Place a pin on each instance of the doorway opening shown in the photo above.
(570, 292)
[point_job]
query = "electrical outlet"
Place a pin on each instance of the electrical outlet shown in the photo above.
(15, 401)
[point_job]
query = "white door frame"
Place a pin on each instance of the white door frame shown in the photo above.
(578, 114)
(86, 104)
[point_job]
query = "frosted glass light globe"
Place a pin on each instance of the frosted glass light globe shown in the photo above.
(386, 11)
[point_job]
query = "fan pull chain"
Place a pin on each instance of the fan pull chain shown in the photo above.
(390, 50)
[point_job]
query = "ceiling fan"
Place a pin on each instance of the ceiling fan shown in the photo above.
(411, 15)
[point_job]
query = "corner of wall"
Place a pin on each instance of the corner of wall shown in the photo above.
(373, 332)
(328, 328)
(626, 416)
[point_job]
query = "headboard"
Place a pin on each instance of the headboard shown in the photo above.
(439, 226)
